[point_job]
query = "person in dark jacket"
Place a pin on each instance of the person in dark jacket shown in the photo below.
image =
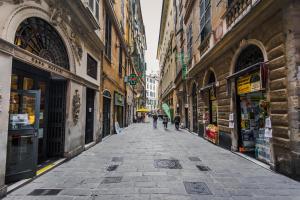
(165, 121)
(177, 121)
(155, 118)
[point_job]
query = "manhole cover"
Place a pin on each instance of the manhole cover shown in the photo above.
(112, 168)
(168, 164)
(196, 188)
(45, 192)
(194, 159)
(117, 159)
(203, 168)
(108, 180)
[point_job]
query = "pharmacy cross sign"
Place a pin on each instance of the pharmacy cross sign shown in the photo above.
(132, 79)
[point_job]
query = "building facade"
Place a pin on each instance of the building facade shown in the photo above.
(50, 83)
(152, 91)
(166, 54)
(243, 78)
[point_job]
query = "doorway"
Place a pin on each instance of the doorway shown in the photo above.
(90, 111)
(106, 113)
(47, 142)
(194, 108)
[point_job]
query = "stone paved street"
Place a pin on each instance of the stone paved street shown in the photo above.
(131, 161)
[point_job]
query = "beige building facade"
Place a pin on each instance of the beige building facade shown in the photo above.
(243, 77)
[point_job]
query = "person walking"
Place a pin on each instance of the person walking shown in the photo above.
(155, 118)
(165, 121)
(177, 121)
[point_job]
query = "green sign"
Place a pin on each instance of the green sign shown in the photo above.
(184, 68)
(132, 79)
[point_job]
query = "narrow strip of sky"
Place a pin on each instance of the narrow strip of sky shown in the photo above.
(151, 10)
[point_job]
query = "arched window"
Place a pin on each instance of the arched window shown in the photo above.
(106, 94)
(40, 38)
(251, 55)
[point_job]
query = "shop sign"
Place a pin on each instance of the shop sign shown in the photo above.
(132, 79)
(119, 100)
(249, 83)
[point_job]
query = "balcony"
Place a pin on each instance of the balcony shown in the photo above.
(237, 9)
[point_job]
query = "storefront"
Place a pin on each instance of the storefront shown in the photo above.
(210, 117)
(119, 109)
(252, 107)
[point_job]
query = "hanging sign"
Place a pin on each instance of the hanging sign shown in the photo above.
(132, 79)
(249, 83)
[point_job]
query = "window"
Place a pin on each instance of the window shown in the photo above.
(120, 60)
(94, 7)
(190, 41)
(91, 67)
(205, 19)
(108, 37)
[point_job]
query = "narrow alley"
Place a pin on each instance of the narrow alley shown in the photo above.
(147, 164)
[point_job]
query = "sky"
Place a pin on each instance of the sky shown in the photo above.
(151, 10)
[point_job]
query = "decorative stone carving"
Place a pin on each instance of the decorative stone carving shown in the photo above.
(76, 107)
(59, 16)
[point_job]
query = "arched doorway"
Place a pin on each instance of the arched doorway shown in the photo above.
(106, 113)
(194, 108)
(250, 94)
(41, 107)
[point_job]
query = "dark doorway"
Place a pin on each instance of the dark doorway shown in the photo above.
(56, 118)
(90, 107)
(186, 114)
(106, 113)
(194, 105)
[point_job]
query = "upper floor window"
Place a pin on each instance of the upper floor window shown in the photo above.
(108, 33)
(190, 41)
(92, 67)
(120, 61)
(94, 7)
(205, 19)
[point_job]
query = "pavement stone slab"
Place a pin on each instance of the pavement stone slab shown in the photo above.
(231, 177)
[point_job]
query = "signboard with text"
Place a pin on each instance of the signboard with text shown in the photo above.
(249, 83)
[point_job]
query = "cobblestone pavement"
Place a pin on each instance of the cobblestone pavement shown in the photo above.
(139, 162)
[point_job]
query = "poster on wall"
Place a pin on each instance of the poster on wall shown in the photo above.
(249, 83)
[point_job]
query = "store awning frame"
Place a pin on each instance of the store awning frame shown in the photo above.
(207, 87)
(258, 66)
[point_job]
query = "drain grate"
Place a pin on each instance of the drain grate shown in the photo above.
(197, 188)
(203, 168)
(168, 164)
(108, 180)
(112, 168)
(44, 192)
(117, 159)
(194, 159)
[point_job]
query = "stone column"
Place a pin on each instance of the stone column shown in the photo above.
(5, 80)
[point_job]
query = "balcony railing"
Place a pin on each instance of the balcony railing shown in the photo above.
(236, 9)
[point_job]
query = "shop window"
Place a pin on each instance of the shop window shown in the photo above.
(252, 106)
(92, 67)
(40, 38)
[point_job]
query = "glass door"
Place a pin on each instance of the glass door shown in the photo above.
(22, 134)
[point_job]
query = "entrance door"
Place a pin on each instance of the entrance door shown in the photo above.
(194, 109)
(186, 114)
(89, 126)
(56, 118)
(106, 116)
(24, 115)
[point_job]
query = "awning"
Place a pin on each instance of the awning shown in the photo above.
(207, 87)
(143, 110)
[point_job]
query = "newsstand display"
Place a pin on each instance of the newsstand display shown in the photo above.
(254, 113)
